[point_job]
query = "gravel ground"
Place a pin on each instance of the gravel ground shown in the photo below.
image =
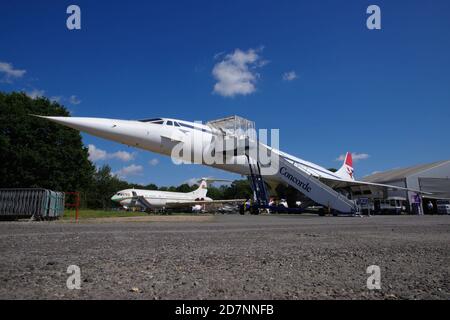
(228, 257)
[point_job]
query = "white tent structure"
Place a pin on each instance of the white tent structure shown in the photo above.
(433, 177)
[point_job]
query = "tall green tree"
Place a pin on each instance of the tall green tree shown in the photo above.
(151, 186)
(104, 185)
(239, 189)
(215, 193)
(35, 152)
(184, 188)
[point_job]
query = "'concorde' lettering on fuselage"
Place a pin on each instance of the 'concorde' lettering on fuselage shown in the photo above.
(304, 186)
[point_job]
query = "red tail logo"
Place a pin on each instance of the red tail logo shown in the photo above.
(350, 172)
(349, 159)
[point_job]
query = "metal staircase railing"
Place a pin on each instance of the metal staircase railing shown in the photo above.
(237, 129)
(257, 182)
(313, 188)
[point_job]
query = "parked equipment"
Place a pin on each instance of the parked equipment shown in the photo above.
(40, 204)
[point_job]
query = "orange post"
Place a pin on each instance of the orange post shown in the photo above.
(76, 204)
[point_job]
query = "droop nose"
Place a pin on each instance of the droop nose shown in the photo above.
(90, 125)
(130, 132)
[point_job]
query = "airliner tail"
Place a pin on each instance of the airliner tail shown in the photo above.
(346, 171)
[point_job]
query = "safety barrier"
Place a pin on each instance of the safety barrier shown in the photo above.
(27, 203)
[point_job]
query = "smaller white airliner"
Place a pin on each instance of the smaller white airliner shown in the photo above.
(155, 199)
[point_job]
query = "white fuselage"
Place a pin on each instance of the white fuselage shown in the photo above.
(162, 135)
(171, 137)
(158, 199)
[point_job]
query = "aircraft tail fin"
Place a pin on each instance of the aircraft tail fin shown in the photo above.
(346, 170)
(202, 189)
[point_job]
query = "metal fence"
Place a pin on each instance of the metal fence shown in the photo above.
(27, 203)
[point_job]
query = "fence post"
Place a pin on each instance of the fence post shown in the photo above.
(75, 204)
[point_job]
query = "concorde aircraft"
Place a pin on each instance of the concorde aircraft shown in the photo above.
(166, 135)
(156, 199)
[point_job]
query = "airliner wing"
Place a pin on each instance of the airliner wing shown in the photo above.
(336, 182)
(341, 184)
(193, 203)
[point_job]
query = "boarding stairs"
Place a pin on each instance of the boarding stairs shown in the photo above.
(313, 188)
(242, 132)
(261, 196)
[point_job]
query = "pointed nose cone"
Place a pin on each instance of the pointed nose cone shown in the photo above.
(112, 129)
(82, 124)
(132, 133)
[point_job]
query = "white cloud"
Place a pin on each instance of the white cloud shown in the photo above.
(9, 72)
(197, 181)
(236, 74)
(96, 154)
(55, 99)
(355, 156)
(218, 55)
(192, 181)
(131, 170)
(153, 162)
(74, 100)
(122, 155)
(289, 76)
(35, 93)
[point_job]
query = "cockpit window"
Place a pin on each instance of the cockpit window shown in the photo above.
(186, 125)
(169, 123)
(122, 194)
(150, 120)
(176, 124)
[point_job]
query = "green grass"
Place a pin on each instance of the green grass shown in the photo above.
(85, 214)
(89, 214)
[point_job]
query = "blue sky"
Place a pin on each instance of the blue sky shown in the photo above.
(383, 93)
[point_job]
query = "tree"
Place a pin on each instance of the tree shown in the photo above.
(215, 193)
(184, 188)
(35, 152)
(151, 186)
(239, 189)
(103, 187)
